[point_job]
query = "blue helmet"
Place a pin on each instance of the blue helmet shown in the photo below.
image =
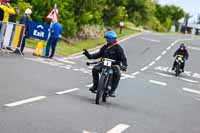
(110, 36)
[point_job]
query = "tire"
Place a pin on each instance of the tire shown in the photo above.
(104, 96)
(100, 89)
(177, 72)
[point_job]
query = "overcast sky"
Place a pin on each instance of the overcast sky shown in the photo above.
(190, 6)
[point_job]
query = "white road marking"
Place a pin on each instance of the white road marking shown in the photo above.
(158, 82)
(191, 90)
(119, 128)
(169, 48)
(151, 40)
(189, 80)
(25, 101)
(196, 75)
(194, 48)
(65, 61)
(145, 68)
(88, 132)
(89, 85)
(187, 73)
(164, 52)
(173, 44)
(67, 91)
(128, 76)
(136, 73)
(76, 69)
(163, 74)
(152, 63)
(158, 58)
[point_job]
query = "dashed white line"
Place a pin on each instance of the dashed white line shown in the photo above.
(189, 80)
(158, 82)
(191, 90)
(158, 58)
(152, 63)
(173, 44)
(164, 52)
(169, 48)
(25, 101)
(135, 73)
(165, 75)
(145, 68)
(67, 91)
(119, 128)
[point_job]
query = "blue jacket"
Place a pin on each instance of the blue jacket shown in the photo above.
(56, 30)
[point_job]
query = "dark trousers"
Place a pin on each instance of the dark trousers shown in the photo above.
(116, 76)
(182, 65)
(52, 42)
(23, 44)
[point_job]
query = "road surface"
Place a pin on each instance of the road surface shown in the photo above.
(51, 96)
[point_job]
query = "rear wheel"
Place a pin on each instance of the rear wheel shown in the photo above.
(100, 89)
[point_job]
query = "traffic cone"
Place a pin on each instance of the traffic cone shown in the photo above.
(39, 49)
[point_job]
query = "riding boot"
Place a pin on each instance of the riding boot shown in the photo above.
(95, 76)
(115, 83)
(173, 68)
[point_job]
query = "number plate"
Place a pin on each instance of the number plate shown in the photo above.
(107, 63)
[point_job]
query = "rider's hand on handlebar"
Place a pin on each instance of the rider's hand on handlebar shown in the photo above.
(123, 68)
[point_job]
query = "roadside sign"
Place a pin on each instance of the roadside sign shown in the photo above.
(53, 14)
(38, 30)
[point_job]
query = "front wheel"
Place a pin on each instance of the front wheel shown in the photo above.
(100, 89)
(177, 71)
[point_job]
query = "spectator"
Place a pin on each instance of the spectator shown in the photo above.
(12, 17)
(24, 20)
(5, 11)
(55, 32)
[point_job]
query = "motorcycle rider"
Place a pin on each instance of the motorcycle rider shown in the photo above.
(111, 50)
(181, 51)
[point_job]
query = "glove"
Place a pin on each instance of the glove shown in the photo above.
(123, 68)
(87, 54)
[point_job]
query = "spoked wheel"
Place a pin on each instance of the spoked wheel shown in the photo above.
(100, 89)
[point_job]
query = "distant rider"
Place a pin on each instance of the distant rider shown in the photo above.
(111, 50)
(181, 51)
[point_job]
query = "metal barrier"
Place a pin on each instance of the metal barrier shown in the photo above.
(11, 35)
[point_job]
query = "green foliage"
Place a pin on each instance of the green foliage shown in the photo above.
(169, 14)
(75, 14)
(155, 25)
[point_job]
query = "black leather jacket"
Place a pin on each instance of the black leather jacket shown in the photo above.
(184, 53)
(114, 52)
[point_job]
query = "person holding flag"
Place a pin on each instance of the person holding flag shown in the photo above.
(55, 34)
(6, 10)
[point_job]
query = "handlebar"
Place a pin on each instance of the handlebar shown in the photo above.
(91, 63)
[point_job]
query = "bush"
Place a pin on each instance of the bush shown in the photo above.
(155, 24)
(87, 31)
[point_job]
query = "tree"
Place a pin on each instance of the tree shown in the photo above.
(198, 19)
(186, 19)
